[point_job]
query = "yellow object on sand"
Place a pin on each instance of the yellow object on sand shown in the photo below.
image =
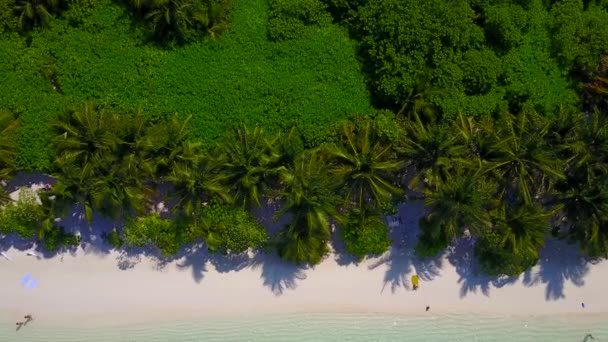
(415, 280)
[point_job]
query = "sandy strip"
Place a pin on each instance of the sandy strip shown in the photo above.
(93, 288)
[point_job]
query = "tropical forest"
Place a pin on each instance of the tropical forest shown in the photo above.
(493, 113)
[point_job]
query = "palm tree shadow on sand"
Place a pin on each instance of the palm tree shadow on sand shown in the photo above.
(559, 262)
(277, 274)
(401, 261)
(461, 255)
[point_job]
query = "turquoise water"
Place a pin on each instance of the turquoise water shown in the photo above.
(334, 327)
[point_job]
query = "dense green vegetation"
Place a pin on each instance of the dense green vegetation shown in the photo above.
(494, 112)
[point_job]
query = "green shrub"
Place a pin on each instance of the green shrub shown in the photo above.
(22, 217)
(288, 19)
(151, 230)
(57, 238)
(231, 230)
(495, 260)
(428, 244)
(365, 234)
(579, 35)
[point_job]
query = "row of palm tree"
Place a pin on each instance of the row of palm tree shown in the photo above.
(509, 182)
(112, 164)
(514, 176)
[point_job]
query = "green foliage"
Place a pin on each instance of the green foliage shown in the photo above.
(579, 34)
(22, 217)
(495, 259)
(37, 13)
(79, 11)
(8, 129)
(365, 233)
(151, 230)
(241, 78)
(248, 160)
(364, 166)
(289, 19)
(8, 20)
(481, 69)
(114, 239)
(231, 230)
(182, 21)
(57, 238)
(402, 40)
(505, 25)
(429, 244)
(310, 199)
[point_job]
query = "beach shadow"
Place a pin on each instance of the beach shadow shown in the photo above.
(399, 265)
(461, 255)
(196, 258)
(401, 260)
(559, 263)
(28, 179)
(277, 274)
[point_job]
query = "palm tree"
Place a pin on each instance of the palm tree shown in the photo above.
(73, 186)
(310, 200)
(477, 135)
(166, 141)
(583, 204)
(433, 151)
(83, 135)
(197, 181)
(522, 227)
(418, 99)
(8, 130)
(34, 13)
(461, 201)
(247, 161)
(364, 166)
(591, 151)
(211, 16)
(521, 157)
(170, 19)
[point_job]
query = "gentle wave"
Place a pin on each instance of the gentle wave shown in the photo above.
(334, 328)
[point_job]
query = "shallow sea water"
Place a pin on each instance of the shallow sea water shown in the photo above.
(334, 328)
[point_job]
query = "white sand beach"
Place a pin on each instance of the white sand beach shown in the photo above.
(99, 286)
(92, 288)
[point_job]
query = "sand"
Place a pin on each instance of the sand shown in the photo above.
(99, 286)
(90, 287)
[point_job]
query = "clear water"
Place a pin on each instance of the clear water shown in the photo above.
(334, 328)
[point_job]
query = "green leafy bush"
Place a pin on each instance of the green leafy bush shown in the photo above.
(151, 230)
(365, 234)
(429, 244)
(289, 18)
(22, 217)
(495, 259)
(57, 238)
(579, 35)
(231, 230)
